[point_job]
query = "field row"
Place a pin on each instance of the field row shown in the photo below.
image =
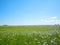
(31, 38)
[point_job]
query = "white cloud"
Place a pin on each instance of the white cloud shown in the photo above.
(50, 21)
(54, 17)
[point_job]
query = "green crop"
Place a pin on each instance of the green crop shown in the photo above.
(30, 35)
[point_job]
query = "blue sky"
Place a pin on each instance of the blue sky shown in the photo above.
(29, 12)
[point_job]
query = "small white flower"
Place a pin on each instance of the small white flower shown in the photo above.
(6, 44)
(8, 39)
(35, 39)
(45, 43)
(38, 42)
(26, 43)
(30, 42)
(0, 39)
(52, 41)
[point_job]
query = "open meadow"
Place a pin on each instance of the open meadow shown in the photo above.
(30, 35)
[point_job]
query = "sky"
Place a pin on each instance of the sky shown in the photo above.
(29, 12)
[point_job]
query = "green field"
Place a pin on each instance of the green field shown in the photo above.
(30, 35)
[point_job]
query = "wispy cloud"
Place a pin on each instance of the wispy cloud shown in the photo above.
(50, 21)
(54, 17)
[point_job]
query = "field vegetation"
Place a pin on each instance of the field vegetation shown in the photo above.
(30, 35)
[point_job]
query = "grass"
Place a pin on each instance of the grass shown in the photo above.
(30, 35)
